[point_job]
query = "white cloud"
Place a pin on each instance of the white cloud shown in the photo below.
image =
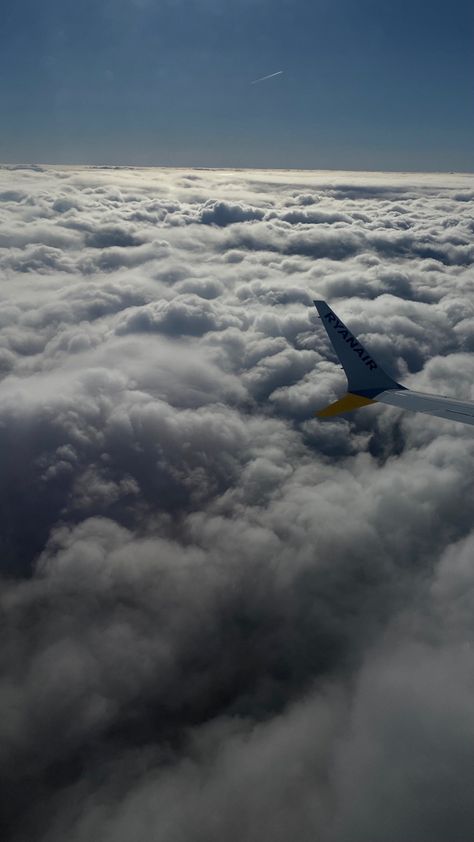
(211, 599)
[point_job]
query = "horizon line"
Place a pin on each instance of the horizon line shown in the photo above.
(228, 167)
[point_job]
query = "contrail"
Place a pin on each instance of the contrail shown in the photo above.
(270, 76)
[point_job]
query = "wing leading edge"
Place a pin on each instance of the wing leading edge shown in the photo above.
(368, 383)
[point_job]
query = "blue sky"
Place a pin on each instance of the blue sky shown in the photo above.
(366, 85)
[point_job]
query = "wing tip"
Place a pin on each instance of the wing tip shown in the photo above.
(347, 403)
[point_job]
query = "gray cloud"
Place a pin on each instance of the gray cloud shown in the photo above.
(223, 618)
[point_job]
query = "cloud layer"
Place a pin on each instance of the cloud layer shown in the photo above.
(224, 619)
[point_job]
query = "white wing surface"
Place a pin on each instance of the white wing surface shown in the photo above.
(431, 404)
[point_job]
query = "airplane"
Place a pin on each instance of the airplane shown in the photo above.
(368, 383)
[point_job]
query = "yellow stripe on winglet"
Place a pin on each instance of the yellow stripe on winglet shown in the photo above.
(345, 404)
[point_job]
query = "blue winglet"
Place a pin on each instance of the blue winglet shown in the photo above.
(364, 375)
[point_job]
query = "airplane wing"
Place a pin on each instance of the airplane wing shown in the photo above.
(368, 383)
(431, 404)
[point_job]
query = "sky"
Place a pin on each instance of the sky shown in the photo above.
(365, 85)
(223, 618)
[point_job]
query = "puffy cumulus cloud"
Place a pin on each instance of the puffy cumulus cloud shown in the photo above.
(222, 618)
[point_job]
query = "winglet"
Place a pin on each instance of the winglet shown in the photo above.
(365, 378)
